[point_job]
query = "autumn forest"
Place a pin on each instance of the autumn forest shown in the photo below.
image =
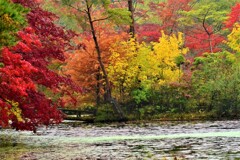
(124, 60)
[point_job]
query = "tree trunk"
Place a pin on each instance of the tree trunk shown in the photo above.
(210, 43)
(132, 25)
(109, 97)
(98, 77)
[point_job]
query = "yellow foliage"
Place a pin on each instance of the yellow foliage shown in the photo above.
(7, 20)
(136, 64)
(128, 63)
(163, 57)
(15, 110)
(234, 38)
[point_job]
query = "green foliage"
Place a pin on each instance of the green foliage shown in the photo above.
(170, 98)
(119, 16)
(179, 60)
(72, 13)
(216, 84)
(105, 113)
(67, 2)
(105, 3)
(214, 12)
(198, 61)
(150, 14)
(140, 95)
(1, 65)
(70, 21)
(147, 111)
(12, 19)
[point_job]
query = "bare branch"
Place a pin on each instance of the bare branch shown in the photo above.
(76, 8)
(101, 19)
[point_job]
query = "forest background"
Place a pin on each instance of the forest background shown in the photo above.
(125, 60)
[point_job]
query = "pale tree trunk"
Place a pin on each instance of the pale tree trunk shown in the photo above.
(210, 43)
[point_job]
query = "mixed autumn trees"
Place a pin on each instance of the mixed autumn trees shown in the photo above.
(10, 24)
(144, 56)
(137, 77)
(203, 24)
(87, 8)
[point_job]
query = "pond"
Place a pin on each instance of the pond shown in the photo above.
(155, 140)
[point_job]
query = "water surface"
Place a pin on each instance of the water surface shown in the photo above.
(158, 140)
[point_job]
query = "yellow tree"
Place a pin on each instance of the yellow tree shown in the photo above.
(128, 66)
(136, 67)
(234, 38)
(166, 58)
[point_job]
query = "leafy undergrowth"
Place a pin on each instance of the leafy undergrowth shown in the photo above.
(181, 117)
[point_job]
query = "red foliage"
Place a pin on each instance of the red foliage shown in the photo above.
(55, 40)
(168, 16)
(234, 16)
(168, 13)
(26, 66)
(37, 110)
(198, 42)
(4, 113)
(15, 76)
(15, 83)
(148, 32)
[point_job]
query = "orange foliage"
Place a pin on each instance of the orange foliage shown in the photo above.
(83, 65)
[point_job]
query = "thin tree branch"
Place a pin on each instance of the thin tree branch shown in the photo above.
(203, 23)
(76, 8)
(101, 19)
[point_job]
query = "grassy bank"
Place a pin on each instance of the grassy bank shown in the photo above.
(106, 114)
(11, 149)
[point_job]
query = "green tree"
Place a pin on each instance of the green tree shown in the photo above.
(12, 19)
(216, 83)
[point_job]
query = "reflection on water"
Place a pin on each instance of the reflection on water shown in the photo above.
(164, 140)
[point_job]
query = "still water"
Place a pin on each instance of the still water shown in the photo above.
(155, 140)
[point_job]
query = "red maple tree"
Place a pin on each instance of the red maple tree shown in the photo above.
(26, 66)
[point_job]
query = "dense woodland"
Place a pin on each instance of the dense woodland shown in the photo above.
(126, 60)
